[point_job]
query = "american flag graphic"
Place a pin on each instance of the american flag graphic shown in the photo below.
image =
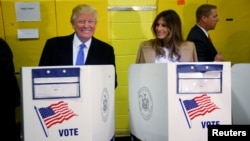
(199, 106)
(56, 113)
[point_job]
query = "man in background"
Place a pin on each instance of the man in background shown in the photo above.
(206, 19)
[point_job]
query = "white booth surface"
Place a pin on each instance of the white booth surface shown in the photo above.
(68, 103)
(241, 93)
(177, 101)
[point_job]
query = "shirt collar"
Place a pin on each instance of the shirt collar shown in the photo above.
(77, 42)
(203, 30)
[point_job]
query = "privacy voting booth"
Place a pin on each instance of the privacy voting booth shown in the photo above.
(68, 103)
(177, 101)
(241, 93)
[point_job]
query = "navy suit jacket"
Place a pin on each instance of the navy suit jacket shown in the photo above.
(9, 88)
(58, 52)
(10, 94)
(205, 48)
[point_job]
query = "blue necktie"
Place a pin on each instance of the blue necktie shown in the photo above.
(80, 55)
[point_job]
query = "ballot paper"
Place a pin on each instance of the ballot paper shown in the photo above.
(56, 83)
(193, 78)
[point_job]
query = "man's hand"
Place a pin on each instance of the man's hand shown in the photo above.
(218, 57)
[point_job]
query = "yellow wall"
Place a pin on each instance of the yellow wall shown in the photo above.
(124, 30)
(127, 30)
(232, 36)
(1, 22)
(27, 51)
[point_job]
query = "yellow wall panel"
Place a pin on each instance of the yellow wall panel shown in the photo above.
(131, 2)
(126, 47)
(135, 30)
(122, 93)
(127, 29)
(122, 67)
(138, 23)
(27, 52)
(122, 125)
(232, 32)
(1, 22)
(119, 109)
(124, 62)
(122, 78)
(131, 16)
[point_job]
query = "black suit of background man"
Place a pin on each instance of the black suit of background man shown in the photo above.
(10, 94)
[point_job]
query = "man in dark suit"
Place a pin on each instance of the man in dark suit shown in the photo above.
(10, 94)
(63, 50)
(206, 18)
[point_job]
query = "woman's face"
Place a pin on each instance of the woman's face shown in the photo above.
(161, 29)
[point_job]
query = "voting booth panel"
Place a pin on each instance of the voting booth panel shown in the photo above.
(177, 101)
(68, 103)
(146, 110)
(240, 94)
